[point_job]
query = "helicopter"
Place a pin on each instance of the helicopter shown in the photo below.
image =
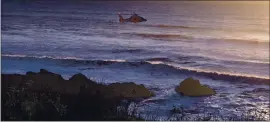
(135, 18)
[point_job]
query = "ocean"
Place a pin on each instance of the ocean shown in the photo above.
(223, 44)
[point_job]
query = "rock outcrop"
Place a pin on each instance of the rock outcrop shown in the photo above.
(51, 82)
(192, 87)
(46, 96)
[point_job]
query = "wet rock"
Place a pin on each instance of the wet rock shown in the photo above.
(51, 82)
(192, 87)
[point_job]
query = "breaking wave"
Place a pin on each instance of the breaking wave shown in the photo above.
(168, 26)
(127, 50)
(153, 65)
(249, 41)
(240, 41)
(189, 38)
(160, 36)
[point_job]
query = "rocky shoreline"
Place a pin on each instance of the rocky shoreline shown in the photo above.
(51, 82)
(46, 96)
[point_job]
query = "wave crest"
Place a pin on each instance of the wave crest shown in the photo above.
(248, 41)
(160, 36)
(156, 66)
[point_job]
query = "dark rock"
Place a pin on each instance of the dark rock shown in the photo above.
(79, 82)
(45, 75)
(43, 71)
(14, 80)
(44, 78)
(46, 96)
(51, 82)
(30, 73)
(192, 87)
(79, 77)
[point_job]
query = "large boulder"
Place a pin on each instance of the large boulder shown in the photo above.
(192, 87)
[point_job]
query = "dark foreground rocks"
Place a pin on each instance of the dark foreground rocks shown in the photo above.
(51, 82)
(47, 96)
(192, 87)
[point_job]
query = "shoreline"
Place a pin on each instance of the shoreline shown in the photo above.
(163, 67)
(35, 94)
(250, 78)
